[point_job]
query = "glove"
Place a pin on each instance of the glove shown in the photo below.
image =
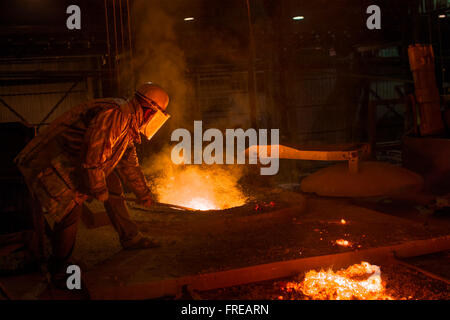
(146, 201)
(102, 196)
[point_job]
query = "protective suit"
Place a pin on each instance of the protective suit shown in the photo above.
(88, 152)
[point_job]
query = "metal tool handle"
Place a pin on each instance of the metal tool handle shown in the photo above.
(167, 205)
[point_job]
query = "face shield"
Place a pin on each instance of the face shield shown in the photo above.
(154, 123)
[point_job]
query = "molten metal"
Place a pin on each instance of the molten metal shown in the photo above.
(201, 188)
(358, 282)
(201, 204)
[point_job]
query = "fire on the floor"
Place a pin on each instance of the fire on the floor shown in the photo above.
(363, 281)
(359, 281)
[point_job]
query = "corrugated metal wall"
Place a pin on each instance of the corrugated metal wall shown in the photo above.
(314, 114)
(387, 90)
(33, 87)
(222, 97)
(35, 101)
(307, 98)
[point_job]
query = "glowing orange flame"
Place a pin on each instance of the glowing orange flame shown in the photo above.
(196, 187)
(200, 188)
(201, 204)
(358, 282)
(343, 221)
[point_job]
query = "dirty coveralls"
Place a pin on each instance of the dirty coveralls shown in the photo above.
(87, 151)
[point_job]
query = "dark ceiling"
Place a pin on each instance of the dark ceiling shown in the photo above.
(30, 27)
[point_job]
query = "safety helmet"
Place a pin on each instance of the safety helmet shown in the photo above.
(155, 101)
(153, 94)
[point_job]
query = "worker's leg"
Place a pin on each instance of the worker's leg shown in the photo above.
(117, 210)
(63, 238)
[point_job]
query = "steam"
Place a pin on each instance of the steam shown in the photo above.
(158, 57)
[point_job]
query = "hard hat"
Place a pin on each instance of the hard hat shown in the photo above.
(153, 94)
(157, 100)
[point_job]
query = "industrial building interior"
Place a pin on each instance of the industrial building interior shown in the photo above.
(362, 192)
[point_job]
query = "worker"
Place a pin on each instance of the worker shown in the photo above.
(86, 153)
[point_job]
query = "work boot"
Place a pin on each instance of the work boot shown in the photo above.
(140, 242)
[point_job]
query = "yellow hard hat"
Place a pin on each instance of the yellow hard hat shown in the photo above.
(153, 94)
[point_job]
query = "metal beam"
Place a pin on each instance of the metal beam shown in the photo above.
(7, 106)
(424, 272)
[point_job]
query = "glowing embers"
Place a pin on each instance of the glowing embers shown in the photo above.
(357, 282)
(343, 243)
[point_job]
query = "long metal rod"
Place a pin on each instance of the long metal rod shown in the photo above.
(122, 32)
(39, 58)
(285, 152)
(251, 69)
(116, 53)
(441, 54)
(38, 93)
(429, 4)
(108, 40)
(131, 45)
(424, 272)
(162, 204)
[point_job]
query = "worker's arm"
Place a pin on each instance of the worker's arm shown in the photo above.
(100, 137)
(132, 175)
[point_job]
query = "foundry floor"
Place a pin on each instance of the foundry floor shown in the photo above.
(298, 226)
(217, 242)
